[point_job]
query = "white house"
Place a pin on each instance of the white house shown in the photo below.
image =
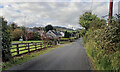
(62, 33)
(54, 34)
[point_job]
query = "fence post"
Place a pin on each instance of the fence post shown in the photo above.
(44, 45)
(40, 45)
(35, 47)
(51, 43)
(17, 49)
(48, 44)
(28, 48)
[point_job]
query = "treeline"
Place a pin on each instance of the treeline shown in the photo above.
(18, 32)
(102, 41)
(72, 34)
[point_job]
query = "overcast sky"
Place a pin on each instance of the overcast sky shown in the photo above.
(65, 14)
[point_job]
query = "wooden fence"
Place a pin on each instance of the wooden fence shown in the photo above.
(23, 48)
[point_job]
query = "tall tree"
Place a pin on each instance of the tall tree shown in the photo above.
(13, 26)
(86, 19)
(17, 34)
(6, 41)
(67, 34)
(48, 27)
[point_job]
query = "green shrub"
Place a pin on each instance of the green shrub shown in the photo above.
(67, 34)
(6, 41)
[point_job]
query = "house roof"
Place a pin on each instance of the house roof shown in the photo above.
(56, 32)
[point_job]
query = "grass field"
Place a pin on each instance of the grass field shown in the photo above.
(25, 41)
(22, 48)
(30, 47)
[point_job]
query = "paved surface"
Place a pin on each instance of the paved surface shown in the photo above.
(69, 57)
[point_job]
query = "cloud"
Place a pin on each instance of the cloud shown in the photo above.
(57, 0)
(64, 14)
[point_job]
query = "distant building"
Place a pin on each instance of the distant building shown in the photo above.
(55, 34)
(29, 29)
(62, 33)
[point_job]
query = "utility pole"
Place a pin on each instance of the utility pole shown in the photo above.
(110, 11)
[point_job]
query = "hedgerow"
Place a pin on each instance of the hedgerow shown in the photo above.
(102, 43)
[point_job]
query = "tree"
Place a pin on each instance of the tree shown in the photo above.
(29, 36)
(6, 41)
(48, 27)
(36, 36)
(13, 26)
(23, 29)
(36, 28)
(67, 34)
(86, 19)
(16, 34)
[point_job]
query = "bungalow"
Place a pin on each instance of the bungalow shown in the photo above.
(54, 34)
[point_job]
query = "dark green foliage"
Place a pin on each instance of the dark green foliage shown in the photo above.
(23, 29)
(36, 28)
(73, 34)
(13, 26)
(6, 41)
(83, 31)
(36, 36)
(48, 27)
(67, 34)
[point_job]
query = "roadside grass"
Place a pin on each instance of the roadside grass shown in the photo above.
(29, 56)
(89, 53)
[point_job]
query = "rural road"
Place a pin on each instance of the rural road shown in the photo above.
(68, 57)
